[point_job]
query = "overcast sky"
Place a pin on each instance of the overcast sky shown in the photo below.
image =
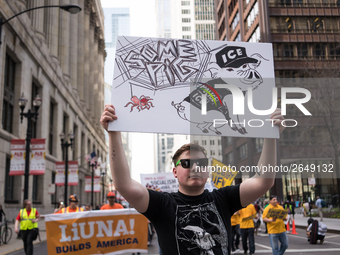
(142, 23)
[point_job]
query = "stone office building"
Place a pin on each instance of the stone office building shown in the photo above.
(59, 56)
(305, 35)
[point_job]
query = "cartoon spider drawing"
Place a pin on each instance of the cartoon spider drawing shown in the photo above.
(141, 103)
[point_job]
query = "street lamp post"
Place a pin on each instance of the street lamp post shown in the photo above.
(71, 8)
(111, 184)
(92, 165)
(29, 115)
(65, 144)
(103, 173)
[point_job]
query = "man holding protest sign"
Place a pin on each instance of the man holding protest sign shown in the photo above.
(274, 215)
(193, 220)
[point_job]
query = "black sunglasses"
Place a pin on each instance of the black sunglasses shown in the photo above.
(188, 163)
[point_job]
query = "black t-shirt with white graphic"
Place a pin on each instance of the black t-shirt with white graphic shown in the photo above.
(194, 224)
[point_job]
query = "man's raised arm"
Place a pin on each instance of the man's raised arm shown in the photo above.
(255, 187)
(135, 193)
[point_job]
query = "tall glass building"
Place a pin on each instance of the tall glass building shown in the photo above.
(117, 22)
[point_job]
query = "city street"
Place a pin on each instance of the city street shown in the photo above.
(297, 245)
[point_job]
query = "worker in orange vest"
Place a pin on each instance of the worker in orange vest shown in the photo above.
(73, 207)
(112, 202)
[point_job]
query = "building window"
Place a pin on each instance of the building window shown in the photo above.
(219, 142)
(204, 142)
(186, 28)
(186, 37)
(320, 50)
(212, 142)
(53, 196)
(230, 158)
(204, 10)
(8, 101)
(288, 24)
(288, 50)
(163, 144)
(36, 195)
(316, 24)
(256, 36)
(235, 21)
(258, 144)
(212, 153)
(184, 3)
(205, 31)
(229, 140)
(186, 20)
(242, 151)
(170, 143)
(252, 15)
(302, 50)
(82, 158)
(186, 11)
(51, 130)
(9, 181)
(74, 146)
(238, 37)
(334, 50)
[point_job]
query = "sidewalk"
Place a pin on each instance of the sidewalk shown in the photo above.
(333, 225)
(16, 244)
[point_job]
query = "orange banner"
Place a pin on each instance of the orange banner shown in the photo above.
(97, 232)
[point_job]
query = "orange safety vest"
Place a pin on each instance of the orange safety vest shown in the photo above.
(79, 209)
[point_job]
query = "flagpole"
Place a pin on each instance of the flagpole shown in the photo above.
(92, 165)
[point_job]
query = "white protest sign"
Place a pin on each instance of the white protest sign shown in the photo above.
(194, 87)
(163, 182)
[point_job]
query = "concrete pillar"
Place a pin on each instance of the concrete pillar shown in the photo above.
(73, 50)
(101, 56)
(86, 50)
(80, 54)
(52, 20)
(37, 17)
(93, 67)
(64, 40)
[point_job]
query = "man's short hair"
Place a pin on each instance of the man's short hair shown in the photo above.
(310, 221)
(187, 147)
(271, 197)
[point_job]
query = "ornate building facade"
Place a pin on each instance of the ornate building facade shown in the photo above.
(61, 57)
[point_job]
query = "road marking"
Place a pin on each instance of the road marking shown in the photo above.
(300, 250)
(264, 246)
(262, 234)
(326, 241)
(332, 236)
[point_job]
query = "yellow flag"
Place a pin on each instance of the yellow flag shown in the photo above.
(223, 175)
